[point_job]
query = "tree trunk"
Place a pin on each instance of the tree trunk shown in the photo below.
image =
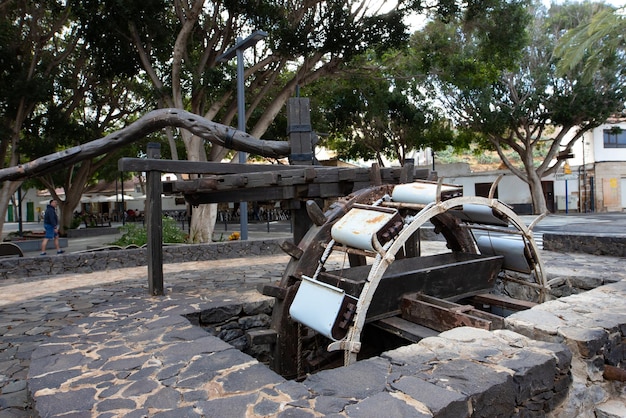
(202, 223)
(203, 217)
(65, 217)
(8, 189)
(536, 193)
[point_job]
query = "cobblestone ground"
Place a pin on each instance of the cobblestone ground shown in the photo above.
(34, 309)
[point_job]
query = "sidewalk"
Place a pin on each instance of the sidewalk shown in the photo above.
(256, 230)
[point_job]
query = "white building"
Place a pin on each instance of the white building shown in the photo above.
(598, 179)
(597, 182)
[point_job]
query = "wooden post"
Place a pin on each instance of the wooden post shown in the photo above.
(412, 246)
(300, 131)
(300, 138)
(154, 224)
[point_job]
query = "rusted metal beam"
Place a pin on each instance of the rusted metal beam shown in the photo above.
(442, 315)
(405, 329)
(503, 302)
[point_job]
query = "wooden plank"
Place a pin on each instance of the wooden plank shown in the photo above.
(406, 174)
(197, 167)
(503, 302)
(375, 178)
(405, 329)
(300, 223)
(273, 290)
(291, 249)
(443, 275)
(263, 336)
(315, 213)
(300, 130)
(241, 195)
(439, 314)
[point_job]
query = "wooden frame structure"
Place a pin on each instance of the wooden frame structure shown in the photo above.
(216, 182)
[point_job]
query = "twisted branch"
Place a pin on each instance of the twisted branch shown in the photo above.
(216, 133)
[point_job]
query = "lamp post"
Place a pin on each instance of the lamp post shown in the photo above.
(237, 50)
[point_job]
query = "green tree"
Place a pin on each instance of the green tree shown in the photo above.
(371, 115)
(56, 94)
(383, 106)
(515, 110)
(35, 39)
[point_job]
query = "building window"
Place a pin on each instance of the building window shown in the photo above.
(482, 190)
(615, 138)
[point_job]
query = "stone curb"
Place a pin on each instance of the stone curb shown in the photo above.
(597, 244)
(88, 262)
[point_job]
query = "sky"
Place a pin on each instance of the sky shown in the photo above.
(616, 3)
(416, 22)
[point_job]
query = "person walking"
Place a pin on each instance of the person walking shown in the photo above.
(51, 226)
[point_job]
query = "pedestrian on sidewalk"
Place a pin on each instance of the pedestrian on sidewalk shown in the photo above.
(51, 226)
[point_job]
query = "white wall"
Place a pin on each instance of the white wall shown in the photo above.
(511, 189)
(606, 154)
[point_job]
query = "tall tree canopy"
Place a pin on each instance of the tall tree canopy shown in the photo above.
(175, 46)
(383, 106)
(514, 110)
(64, 60)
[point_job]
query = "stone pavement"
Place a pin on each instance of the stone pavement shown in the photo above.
(98, 345)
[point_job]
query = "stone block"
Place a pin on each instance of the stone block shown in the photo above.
(220, 314)
(441, 402)
(492, 392)
(383, 405)
(248, 379)
(584, 341)
(359, 381)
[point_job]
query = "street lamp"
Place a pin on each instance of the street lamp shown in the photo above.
(237, 50)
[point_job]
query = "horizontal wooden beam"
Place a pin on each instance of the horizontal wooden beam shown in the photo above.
(197, 167)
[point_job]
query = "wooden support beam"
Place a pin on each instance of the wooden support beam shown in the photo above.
(300, 130)
(315, 213)
(198, 167)
(291, 249)
(375, 176)
(406, 174)
(154, 225)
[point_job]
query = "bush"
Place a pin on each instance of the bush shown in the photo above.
(76, 221)
(134, 234)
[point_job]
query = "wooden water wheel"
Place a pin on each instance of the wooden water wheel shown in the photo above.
(320, 312)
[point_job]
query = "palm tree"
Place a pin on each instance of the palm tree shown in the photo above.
(594, 43)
